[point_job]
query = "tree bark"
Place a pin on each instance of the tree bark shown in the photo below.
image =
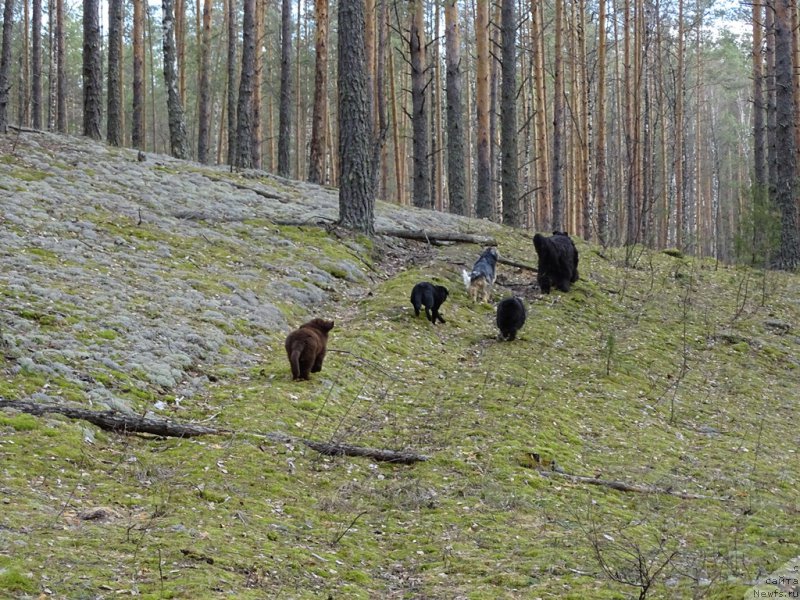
(356, 202)
(483, 200)
(177, 126)
(319, 124)
(138, 120)
(456, 182)
(419, 109)
(204, 87)
(600, 155)
(557, 175)
(231, 97)
(114, 101)
(244, 114)
(111, 420)
(92, 70)
(36, 67)
(512, 213)
(285, 110)
(5, 63)
(786, 184)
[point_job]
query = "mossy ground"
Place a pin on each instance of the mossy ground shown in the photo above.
(656, 369)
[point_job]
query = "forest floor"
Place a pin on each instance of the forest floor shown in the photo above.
(167, 288)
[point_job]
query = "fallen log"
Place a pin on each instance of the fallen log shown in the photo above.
(117, 422)
(518, 265)
(628, 487)
(334, 449)
(241, 186)
(421, 235)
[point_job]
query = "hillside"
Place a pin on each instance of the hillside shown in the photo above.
(167, 288)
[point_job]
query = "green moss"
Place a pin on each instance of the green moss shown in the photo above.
(21, 422)
(12, 580)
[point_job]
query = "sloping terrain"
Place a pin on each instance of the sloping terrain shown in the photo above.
(167, 288)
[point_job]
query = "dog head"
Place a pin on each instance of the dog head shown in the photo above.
(320, 325)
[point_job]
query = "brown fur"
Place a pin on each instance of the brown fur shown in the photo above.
(306, 346)
(480, 287)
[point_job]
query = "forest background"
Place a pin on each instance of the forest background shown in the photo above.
(668, 123)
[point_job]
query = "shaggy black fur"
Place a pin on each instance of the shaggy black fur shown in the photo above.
(558, 261)
(306, 348)
(510, 317)
(431, 297)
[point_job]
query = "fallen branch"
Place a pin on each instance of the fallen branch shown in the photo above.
(332, 449)
(117, 422)
(628, 487)
(241, 186)
(518, 265)
(437, 236)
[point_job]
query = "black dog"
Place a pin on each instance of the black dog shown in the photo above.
(558, 261)
(431, 297)
(481, 279)
(510, 317)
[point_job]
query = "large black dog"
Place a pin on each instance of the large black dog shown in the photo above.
(510, 317)
(481, 279)
(558, 261)
(431, 297)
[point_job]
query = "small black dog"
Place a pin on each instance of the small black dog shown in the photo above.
(481, 279)
(431, 297)
(510, 317)
(558, 261)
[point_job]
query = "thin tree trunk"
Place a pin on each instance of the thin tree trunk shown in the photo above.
(244, 111)
(232, 40)
(177, 127)
(557, 177)
(483, 200)
(23, 110)
(257, 137)
(319, 124)
(61, 69)
(204, 87)
(138, 120)
(398, 153)
(285, 112)
(512, 213)
(455, 112)
(114, 101)
(421, 192)
(542, 152)
(5, 63)
(36, 59)
(600, 156)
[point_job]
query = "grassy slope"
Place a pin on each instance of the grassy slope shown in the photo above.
(595, 383)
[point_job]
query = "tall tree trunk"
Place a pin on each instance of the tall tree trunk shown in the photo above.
(285, 111)
(24, 72)
(36, 59)
(456, 183)
(543, 200)
(600, 156)
(138, 120)
(557, 177)
(680, 86)
(257, 137)
(759, 155)
(52, 49)
(512, 213)
(244, 111)
(298, 98)
(5, 63)
(204, 87)
(421, 193)
(232, 40)
(483, 199)
(61, 69)
(92, 72)
(398, 153)
(180, 47)
(177, 126)
(356, 203)
(437, 139)
(114, 101)
(786, 184)
(319, 124)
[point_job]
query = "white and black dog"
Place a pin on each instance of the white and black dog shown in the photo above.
(481, 279)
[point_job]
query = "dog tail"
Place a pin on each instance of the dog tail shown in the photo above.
(467, 277)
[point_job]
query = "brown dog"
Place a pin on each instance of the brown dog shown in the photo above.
(306, 346)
